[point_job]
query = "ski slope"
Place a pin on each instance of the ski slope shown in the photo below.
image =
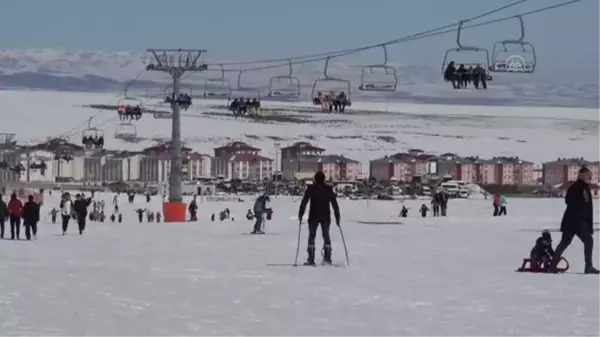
(535, 134)
(433, 276)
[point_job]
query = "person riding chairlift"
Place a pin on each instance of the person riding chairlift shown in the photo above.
(93, 141)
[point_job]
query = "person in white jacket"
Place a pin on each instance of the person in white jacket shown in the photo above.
(65, 211)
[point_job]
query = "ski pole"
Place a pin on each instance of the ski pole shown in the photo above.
(298, 244)
(345, 248)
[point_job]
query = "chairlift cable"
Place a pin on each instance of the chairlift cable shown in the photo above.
(430, 33)
(358, 49)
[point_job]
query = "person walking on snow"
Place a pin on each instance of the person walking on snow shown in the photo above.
(578, 221)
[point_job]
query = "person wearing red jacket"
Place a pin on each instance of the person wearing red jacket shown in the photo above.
(15, 210)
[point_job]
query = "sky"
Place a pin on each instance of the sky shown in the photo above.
(566, 38)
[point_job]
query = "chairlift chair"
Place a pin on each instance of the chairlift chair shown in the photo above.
(126, 131)
(223, 86)
(343, 85)
(379, 77)
(285, 87)
(162, 110)
(478, 56)
(519, 59)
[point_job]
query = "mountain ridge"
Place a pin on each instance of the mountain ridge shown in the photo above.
(84, 70)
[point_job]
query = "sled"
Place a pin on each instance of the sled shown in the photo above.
(542, 267)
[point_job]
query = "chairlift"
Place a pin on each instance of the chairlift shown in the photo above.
(126, 131)
(320, 85)
(217, 87)
(254, 90)
(128, 101)
(476, 56)
(163, 110)
(92, 131)
(287, 87)
(521, 58)
(379, 77)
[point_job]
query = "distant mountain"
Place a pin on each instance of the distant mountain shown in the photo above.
(73, 70)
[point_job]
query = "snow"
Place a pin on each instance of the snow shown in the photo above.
(535, 134)
(433, 276)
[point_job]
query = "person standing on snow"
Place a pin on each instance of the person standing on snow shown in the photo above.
(15, 211)
(503, 204)
(320, 196)
(31, 217)
(578, 221)
(260, 209)
(65, 212)
(3, 216)
(80, 207)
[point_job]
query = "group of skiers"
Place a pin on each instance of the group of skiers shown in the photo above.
(92, 142)
(241, 106)
(16, 210)
(330, 102)
(128, 112)
(74, 209)
(184, 100)
(462, 76)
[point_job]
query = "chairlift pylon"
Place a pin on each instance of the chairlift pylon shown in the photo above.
(482, 61)
(345, 84)
(386, 79)
(290, 88)
(505, 60)
(126, 131)
(223, 85)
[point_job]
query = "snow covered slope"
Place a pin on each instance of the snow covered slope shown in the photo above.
(433, 276)
(536, 134)
(80, 70)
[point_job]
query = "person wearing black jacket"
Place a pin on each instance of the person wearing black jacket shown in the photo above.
(80, 207)
(320, 196)
(578, 220)
(31, 217)
(3, 216)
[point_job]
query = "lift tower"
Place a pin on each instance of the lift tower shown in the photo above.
(175, 62)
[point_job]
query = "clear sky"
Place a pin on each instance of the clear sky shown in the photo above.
(256, 29)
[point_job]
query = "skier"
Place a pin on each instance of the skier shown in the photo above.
(116, 203)
(112, 218)
(193, 209)
(53, 214)
(260, 208)
(15, 210)
(542, 252)
(131, 197)
(147, 197)
(424, 209)
(503, 203)
(158, 216)
(80, 207)
(65, 212)
(31, 217)
(320, 196)
(120, 218)
(435, 206)
(140, 213)
(577, 220)
(404, 212)
(3, 216)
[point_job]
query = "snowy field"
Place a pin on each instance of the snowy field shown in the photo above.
(433, 276)
(535, 134)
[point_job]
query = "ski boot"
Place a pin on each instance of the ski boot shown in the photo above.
(326, 255)
(311, 256)
(589, 269)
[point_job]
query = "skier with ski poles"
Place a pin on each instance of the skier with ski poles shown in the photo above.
(320, 196)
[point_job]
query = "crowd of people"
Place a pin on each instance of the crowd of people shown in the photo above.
(462, 76)
(332, 101)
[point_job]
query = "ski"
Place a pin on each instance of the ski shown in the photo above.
(260, 234)
(336, 265)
